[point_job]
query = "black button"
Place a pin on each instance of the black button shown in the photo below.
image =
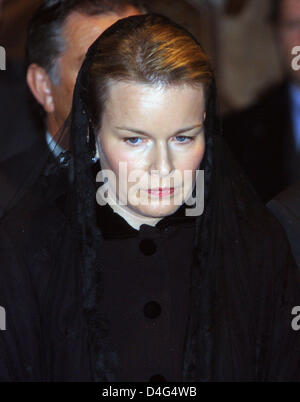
(152, 309)
(157, 378)
(147, 246)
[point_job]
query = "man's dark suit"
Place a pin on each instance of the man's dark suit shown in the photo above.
(286, 207)
(20, 176)
(22, 142)
(261, 138)
(19, 125)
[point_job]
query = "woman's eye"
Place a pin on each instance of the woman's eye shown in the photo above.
(183, 139)
(133, 140)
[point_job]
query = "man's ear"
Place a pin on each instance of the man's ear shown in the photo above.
(40, 85)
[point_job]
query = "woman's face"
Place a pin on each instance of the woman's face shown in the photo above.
(158, 135)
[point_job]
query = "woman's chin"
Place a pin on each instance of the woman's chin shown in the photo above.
(155, 210)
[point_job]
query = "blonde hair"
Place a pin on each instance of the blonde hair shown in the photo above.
(157, 52)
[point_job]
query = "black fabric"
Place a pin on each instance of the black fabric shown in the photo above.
(262, 140)
(56, 274)
(21, 169)
(22, 143)
(147, 311)
(286, 207)
(26, 179)
(250, 335)
(144, 346)
(20, 126)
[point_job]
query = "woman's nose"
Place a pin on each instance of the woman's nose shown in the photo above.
(162, 160)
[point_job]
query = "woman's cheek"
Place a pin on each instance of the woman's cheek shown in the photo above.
(132, 160)
(198, 154)
(191, 161)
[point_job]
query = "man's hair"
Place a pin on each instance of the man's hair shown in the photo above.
(45, 42)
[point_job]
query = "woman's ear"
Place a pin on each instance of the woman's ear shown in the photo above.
(40, 85)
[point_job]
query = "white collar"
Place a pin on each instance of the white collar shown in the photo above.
(56, 149)
(53, 146)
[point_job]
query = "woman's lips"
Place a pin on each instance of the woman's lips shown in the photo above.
(161, 192)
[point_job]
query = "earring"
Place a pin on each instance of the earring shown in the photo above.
(97, 155)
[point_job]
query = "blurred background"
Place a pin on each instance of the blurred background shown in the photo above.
(237, 35)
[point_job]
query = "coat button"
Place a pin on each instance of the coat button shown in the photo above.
(157, 378)
(147, 247)
(152, 309)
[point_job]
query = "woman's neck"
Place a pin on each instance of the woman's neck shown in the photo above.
(133, 219)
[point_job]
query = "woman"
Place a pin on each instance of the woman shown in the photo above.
(142, 291)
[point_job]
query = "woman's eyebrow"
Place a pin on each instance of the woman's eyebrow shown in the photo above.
(182, 130)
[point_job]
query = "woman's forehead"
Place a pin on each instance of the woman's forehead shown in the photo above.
(134, 102)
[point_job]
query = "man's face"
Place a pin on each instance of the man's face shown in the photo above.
(79, 32)
(289, 33)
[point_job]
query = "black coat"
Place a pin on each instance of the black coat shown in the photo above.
(20, 124)
(286, 207)
(146, 302)
(19, 171)
(261, 138)
(21, 181)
